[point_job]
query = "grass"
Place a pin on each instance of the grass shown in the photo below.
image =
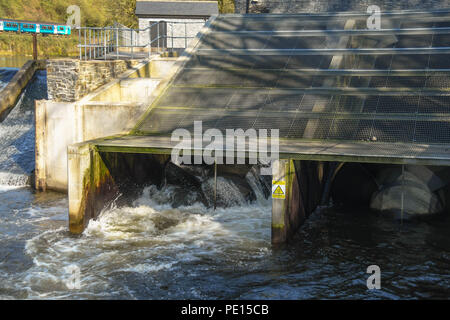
(97, 13)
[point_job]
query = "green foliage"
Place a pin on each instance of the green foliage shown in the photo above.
(96, 13)
(226, 6)
(122, 11)
(93, 13)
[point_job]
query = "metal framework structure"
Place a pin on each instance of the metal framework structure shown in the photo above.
(118, 41)
(335, 90)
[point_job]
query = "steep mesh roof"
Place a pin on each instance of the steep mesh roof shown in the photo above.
(176, 8)
(317, 78)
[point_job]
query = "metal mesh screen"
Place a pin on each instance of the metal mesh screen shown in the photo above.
(320, 79)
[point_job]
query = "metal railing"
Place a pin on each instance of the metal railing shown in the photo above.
(118, 41)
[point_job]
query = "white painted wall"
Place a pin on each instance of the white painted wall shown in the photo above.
(175, 27)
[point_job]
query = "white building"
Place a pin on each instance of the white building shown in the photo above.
(179, 19)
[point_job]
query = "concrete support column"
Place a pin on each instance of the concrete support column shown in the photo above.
(78, 163)
(91, 186)
(40, 145)
(287, 213)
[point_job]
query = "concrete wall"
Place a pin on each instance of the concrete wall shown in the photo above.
(160, 67)
(297, 6)
(112, 109)
(175, 28)
(129, 90)
(69, 80)
(60, 124)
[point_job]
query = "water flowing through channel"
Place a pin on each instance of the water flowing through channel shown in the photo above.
(17, 131)
(152, 250)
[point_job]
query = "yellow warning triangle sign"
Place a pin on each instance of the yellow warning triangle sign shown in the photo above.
(278, 190)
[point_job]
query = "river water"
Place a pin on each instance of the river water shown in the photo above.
(153, 251)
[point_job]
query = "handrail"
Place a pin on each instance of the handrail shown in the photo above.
(100, 42)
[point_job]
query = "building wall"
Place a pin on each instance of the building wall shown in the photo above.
(175, 27)
(69, 80)
(297, 6)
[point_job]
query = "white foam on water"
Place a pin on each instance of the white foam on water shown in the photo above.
(148, 238)
(4, 188)
(9, 179)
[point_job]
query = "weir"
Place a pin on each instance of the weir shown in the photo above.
(336, 91)
(17, 130)
(11, 93)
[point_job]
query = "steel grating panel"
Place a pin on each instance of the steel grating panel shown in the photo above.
(316, 79)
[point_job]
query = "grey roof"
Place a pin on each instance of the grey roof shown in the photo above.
(176, 8)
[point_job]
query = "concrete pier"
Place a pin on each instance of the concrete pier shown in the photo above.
(288, 210)
(97, 179)
(304, 187)
(92, 185)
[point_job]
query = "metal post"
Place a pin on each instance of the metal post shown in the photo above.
(172, 35)
(117, 43)
(97, 45)
(149, 40)
(79, 41)
(185, 35)
(35, 48)
(85, 57)
(109, 41)
(94, 44)
(90, 44)
(157, 31)
(108, 45)
(104, 42)
(131, 43)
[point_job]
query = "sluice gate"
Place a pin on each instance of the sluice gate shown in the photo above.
(335, 90)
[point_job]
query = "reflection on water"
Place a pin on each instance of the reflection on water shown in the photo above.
(152, 251)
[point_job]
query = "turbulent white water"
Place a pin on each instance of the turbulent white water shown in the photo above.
(17, 135)
(149, 242)
(149, 250)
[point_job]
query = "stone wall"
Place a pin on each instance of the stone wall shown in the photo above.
(69, 80)
(297, 6)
